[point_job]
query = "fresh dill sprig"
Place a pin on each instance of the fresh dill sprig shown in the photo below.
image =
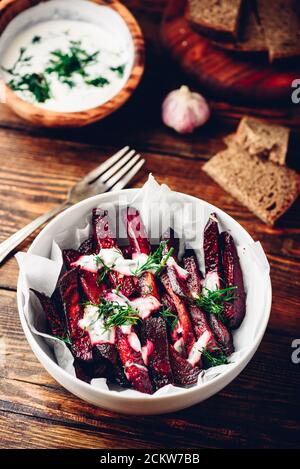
(105, 268)
(170, 317)
(212, 301)
(119, 70)
(99, 82)
(20, 59)
(66, 64)
(35, 83)
(114, 314)
(36, 39)
(214, 360)
(66, 339)
(156, 261)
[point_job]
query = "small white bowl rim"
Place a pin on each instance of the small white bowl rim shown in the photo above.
(184, 391)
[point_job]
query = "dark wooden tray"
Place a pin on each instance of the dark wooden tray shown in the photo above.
(248, 80)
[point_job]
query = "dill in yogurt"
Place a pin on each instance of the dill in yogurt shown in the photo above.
(66, 69)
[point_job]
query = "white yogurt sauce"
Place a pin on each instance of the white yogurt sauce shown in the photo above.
(56, 35)
(112, 258)
(94, 325)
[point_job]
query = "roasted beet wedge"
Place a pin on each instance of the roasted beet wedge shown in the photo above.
(168, 303)
(69, 289)
(177, 275)
(105, 350)
(86, 371)
(187, 328)
(193, 283)
(117, 375)
(201, 326)
(234, 311)
(184, 373)
(136, 231)
(70, 256)
(222, 334)
(139, 245)
(147, 285)
(212, 254)
(53, 314)
(155, 345)
(87, 247)
(103, 235)
(135, 370)
(91, 288)
(104, 240)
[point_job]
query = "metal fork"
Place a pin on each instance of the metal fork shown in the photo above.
(112, 175)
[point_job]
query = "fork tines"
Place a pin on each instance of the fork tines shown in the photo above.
(117, 171)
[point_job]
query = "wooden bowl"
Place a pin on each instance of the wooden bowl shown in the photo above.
(9, 9)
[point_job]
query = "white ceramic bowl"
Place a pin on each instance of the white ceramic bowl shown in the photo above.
(116, 401)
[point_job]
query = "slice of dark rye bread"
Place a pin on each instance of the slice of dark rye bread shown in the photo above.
(252, 38)
(263, 139)
(267, 189)
(216, 18)
(280, 20)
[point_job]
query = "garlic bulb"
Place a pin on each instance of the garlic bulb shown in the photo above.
(184, 110)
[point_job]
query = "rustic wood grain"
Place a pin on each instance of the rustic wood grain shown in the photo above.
(258, 409)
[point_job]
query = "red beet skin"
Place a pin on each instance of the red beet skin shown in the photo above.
(222, 334)
(234, 311)
(187, 328)
(103, 235)
(104, 240)
(212, 252)
(135, 369)
(201, 326)
(69, 290)
(136, 231)
(92, 290)
(183, 372)
(52, 313)
(87, 247)
(70, 256)
(190, 264)
(140, 245)
(154, 331)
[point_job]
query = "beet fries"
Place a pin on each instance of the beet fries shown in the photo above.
(140, 317)
(69, 289)
(104, 239)
(235, 310)
(155, 344)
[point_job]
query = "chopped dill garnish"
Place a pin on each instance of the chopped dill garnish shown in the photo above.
(105, 268)
(20, 59)
(212, 301)
(156, 261)
(99, 82)
(36, 39)
(35, 83)
(119, 70)
(65, 64)
(114, 314)
(214, 360)
(170, 317)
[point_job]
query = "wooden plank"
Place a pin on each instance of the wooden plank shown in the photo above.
(251, 411)
(23, 432)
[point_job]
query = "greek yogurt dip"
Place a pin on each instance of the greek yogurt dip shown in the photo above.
(66, 65)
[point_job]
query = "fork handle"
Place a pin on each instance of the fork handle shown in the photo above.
(13, 241)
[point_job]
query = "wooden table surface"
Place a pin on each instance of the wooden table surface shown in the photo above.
(261, 408)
